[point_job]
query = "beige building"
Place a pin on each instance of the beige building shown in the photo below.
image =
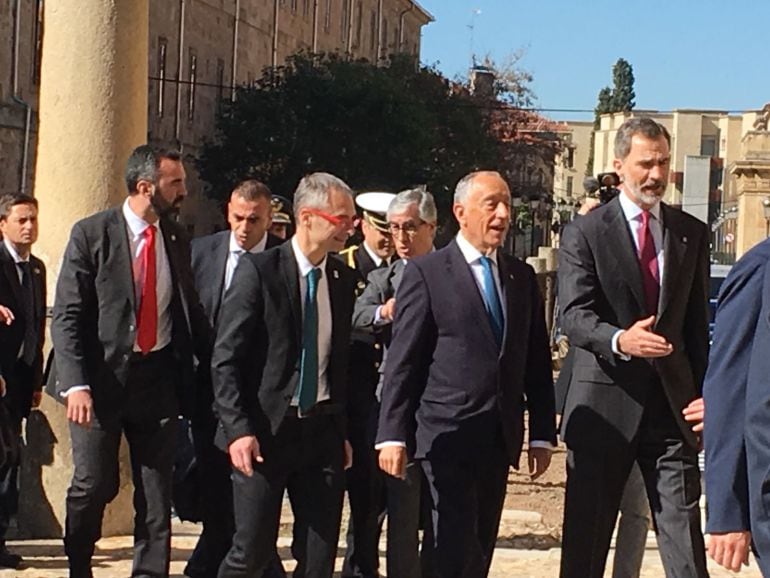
(571, 163)
(199, 51)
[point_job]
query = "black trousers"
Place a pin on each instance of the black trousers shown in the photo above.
(467, 498)
(595, 481)
(305, 458)
(403, 511)
(147, 415)
(216, 499)
(366, 495)
(9, 477)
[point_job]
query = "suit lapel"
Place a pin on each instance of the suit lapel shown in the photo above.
(620, 247)
(290, 273)
(37, 288)
(674, 248)
(460, 272)
(220, 254)
(11, 273)
(122, 273)
(515, 304)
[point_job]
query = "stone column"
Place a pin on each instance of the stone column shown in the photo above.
(93, 112)
(752, 174)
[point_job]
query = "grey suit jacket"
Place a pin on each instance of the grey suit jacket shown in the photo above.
(381, 286)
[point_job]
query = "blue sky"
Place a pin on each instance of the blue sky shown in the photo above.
(685, 53)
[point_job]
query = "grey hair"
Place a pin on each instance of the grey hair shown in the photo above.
(642, 125)
(426, 206)
(313, 191)
(464, 185)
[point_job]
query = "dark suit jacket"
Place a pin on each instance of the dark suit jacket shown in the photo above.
(737, 396)
(256, 359)
(365, 348)
(19, 394)
(94, 319)
(381, 285)
(600, 290)
(445, 370)
(209, 262)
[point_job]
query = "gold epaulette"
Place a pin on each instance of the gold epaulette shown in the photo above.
(349, 255)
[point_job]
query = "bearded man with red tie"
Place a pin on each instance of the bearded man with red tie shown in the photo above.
(127, 322)
(633, 284)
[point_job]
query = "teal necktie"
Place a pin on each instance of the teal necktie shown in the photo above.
(308, 376)
(492, 300)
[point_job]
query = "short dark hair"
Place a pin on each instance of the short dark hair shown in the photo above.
(642, 125)
(144, 162)
(10, 200)
(252, 189)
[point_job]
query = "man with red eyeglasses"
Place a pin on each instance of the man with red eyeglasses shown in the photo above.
(279, 371)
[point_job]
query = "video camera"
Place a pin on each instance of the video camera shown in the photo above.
(604, 186)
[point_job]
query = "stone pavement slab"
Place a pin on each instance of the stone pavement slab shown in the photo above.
(45, 558)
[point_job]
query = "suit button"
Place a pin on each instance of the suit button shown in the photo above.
(377, 346)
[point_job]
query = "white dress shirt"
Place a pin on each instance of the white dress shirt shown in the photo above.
(163, 284)
(234, 253)
(324, 318)
(633, 215)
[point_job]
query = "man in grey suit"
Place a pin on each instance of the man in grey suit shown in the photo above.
(214, 259)
(412, 223)
(633, 284)
(126, 324)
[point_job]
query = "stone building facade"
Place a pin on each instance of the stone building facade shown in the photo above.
(199, 51)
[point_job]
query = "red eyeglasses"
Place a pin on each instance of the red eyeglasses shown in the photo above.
(338, 221)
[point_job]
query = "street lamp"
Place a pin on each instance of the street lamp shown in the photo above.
(766, 209)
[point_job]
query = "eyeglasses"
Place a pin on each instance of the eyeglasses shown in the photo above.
(342, 221)
(409, 228)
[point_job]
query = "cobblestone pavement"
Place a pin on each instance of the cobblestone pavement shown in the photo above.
(45, 558)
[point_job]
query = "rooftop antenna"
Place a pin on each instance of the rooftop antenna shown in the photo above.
(475, 12)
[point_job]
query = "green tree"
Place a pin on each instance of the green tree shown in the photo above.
(619, 98)
(376, 127)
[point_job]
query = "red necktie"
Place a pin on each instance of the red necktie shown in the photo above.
(148, 308)
(648, 261)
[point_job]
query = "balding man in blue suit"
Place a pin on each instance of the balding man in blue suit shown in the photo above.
(469, 344)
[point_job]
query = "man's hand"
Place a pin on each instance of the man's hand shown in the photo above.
(393, 461)
(2, 386)
(730, 550)
(639, 340)
(80, 407)
(538, 460)
(693, 414)
(37, 397)
(6, 315)
(243, 452)
(388, 311)
(588, 205)
(348, 455)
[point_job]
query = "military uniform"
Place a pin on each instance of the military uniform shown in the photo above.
(365, 487)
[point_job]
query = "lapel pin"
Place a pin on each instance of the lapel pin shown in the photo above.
(336, 274)
(684, 239)
(510, 275)
(173, 237)
(36, 271)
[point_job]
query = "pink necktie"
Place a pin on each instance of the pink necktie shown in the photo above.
(147, 334)
(648, 261)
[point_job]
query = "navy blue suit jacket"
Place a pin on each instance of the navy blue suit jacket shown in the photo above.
(737, 396)
(448, 388)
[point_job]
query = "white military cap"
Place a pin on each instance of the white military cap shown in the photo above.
(375, 208)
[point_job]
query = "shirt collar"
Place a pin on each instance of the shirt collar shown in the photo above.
(471, 253)
(135, 223)
(12, 251)
(374, 257)
(258, 248)
(305, 266)
(632, 211)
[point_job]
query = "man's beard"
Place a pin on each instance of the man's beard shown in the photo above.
(163, 208)
(645, 198)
